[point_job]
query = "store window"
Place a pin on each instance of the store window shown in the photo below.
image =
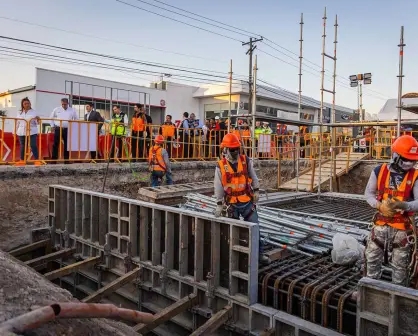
(219, 110)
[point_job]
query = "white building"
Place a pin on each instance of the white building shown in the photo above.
(162, 98)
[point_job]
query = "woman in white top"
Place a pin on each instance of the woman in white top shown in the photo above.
(27, 117)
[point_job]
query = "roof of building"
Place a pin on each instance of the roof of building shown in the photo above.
(22, 89)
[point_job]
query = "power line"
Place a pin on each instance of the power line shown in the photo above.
(193, 18)
(107, 39)
(122, 59)
(204, 17)
(185, 23)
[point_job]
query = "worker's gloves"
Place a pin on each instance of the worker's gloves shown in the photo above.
(398, 205)
(386, 208)
(256, 196)
(218, 210)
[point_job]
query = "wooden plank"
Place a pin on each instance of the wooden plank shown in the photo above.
(111, 287)
(70, 268)
(214, 323)
(29, 248)
(50, 257)
(168, 313)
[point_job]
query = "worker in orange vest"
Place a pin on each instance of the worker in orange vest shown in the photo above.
(169, 131)
(236, 183)
(138, 133)
(159, 163)
(396, 201)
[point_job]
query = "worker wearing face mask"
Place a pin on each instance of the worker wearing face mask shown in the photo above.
(393, 191)
(236, 184)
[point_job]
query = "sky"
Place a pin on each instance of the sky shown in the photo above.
(368, 38)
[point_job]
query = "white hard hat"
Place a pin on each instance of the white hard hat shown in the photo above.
(217, 118)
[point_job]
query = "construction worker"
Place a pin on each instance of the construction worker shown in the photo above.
(119, 125)
(138, 133)
(236, 184)
(396, 201)
(159, 163)
(169, 131)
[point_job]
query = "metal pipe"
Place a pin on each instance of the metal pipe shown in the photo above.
(400, 76)
(254, 107)
(230, 96)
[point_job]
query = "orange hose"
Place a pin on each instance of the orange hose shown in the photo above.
(38, 317)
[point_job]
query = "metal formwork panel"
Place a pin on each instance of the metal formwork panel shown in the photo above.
(386, 309)
(180, 251)
(289, 325)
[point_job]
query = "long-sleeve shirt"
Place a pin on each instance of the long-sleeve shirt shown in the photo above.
(64, 115)
(219, 189)
(166, 159)
(371, 188)
(185, 126)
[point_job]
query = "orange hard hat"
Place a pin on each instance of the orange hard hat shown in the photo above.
(407, 147)
(159, 139)
(230, 140)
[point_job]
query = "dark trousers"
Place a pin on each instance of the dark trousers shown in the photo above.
(57, 143)
(95, 154)
(169, 142)
(116, 140)
(157, 178)
(186, 145)
(137, 145)
(33, 146)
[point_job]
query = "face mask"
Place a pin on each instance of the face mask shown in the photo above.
(406, 165)
(233, 152)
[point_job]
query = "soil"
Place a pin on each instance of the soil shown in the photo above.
(22, 289)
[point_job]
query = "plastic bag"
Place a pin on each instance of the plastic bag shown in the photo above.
(346, 249)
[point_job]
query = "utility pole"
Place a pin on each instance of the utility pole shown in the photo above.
(254, 100)
(230, 96)
(400, 76)
(250, 75)
(362, 116)
(299, 98)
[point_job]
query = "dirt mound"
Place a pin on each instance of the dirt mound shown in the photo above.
(21, 289)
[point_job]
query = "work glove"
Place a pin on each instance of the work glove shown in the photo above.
(218, 210)
(386, 208)
(399, 205)
(256, 196)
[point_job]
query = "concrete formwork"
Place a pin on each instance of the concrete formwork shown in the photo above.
(386, 309)
(180, 252)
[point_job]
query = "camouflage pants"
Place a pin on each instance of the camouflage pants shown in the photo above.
(399, 260)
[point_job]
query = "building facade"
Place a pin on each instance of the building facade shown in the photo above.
(206, 101)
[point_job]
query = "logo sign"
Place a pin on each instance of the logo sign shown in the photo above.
(413, 150)
(162, 102)
(345, 117)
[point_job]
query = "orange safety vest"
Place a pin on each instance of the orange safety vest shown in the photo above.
(237, 133)
(168, 130)
(138, 124)
(155, 159)
(402, 193)
(237, 185)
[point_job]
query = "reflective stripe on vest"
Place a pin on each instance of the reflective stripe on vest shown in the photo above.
(155, 159)
(117, 125)
(168, 130)
(237, 185)
(402, 193)
(138, 124)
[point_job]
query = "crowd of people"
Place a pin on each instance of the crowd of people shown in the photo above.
(132, 139)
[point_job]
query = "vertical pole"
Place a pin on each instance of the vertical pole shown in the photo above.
(334, 129)
(361, 100)
(250, 77)
(299, 100)
(321, 112)
(400, 76)
(254, 100)
(230, 96)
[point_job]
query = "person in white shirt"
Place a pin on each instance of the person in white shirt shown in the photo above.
(27, 117)
(59, 123)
